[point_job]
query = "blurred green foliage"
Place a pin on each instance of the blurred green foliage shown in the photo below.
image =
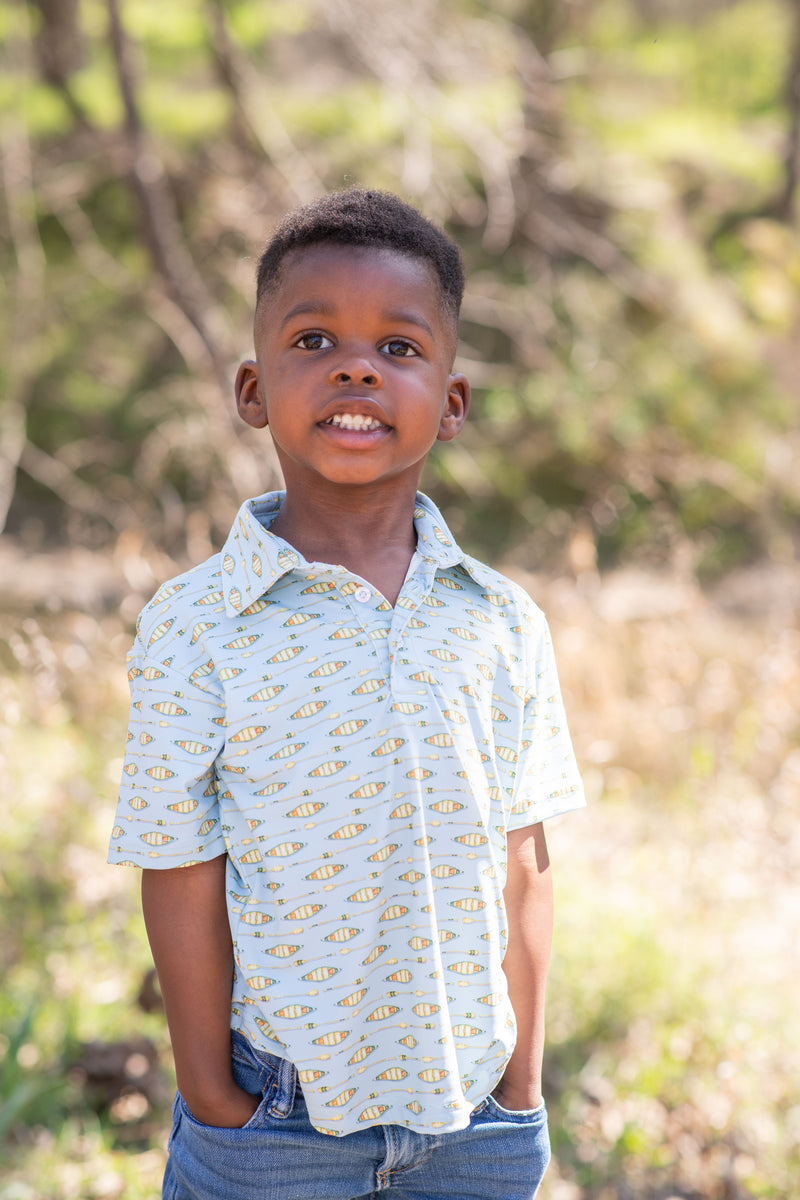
(616, 173)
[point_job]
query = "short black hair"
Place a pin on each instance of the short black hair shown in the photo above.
(363, 217)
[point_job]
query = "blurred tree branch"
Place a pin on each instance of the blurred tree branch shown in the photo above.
(162, 227)
(26, 309)
(786, 202)
(188, 301)
(60, 48)
(257, 114)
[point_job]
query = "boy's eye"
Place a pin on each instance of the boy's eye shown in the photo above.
(400, 349)
(313, 341)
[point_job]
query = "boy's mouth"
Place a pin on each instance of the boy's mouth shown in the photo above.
(358, 422)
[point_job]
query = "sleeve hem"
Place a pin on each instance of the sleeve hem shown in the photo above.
(565, 804)
(159, 862)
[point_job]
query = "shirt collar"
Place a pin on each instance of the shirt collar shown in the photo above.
(253, 559)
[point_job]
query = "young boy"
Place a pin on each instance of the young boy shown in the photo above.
(345, 735)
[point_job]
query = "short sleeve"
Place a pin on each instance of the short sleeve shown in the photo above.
(168, 814)
(548, 782)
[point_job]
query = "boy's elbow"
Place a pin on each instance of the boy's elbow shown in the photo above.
(527, 850)
(528, 876)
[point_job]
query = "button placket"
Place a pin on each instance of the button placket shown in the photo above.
(363, 604)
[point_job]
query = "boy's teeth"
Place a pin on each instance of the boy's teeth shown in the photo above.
(354, 421)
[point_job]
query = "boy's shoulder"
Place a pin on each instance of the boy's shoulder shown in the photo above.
(194, 592)
(436, 542)
(504, 594)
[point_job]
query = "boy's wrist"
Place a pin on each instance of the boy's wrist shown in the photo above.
(520, 1086)
(518, 1097)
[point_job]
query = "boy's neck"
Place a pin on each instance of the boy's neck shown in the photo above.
(371, 535)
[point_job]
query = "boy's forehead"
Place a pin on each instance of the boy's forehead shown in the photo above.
(317, 268)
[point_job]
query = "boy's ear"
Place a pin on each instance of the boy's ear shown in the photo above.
(456, 408)
(250, 403)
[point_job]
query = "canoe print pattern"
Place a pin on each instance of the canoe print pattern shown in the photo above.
(360, 765)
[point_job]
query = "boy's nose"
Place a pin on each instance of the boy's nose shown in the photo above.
(357, 370)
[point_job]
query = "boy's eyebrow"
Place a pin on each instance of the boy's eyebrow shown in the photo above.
(408, 317)
(307, 306)
(400, 315)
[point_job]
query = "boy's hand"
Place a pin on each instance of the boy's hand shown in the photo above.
(230, 1111)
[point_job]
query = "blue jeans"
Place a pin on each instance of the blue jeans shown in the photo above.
(278, 1155)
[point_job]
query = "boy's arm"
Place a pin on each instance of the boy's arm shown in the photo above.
(187, 923)
(528, 896)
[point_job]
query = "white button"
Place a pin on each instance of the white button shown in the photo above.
(362, 595)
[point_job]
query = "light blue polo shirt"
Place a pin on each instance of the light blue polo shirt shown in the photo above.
(361, 765)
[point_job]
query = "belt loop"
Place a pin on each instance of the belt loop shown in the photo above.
(283, 1103)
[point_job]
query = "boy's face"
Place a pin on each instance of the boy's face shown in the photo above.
(353, 368)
